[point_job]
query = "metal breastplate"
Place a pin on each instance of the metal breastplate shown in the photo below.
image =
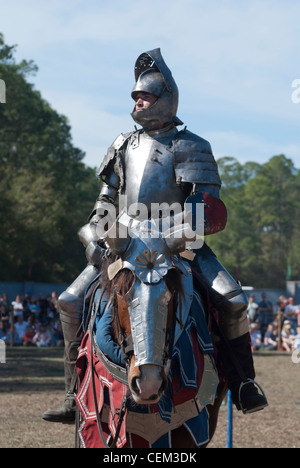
(150, 176)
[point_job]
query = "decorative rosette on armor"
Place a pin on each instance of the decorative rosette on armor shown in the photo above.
(151, 266)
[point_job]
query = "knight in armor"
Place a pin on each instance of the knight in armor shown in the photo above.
(161, 164)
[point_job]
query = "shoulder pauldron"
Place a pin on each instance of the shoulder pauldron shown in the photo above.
(114, 159)
(193, 160)
(112, 152)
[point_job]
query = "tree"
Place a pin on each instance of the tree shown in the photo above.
(261, 238)
(234, 246)
(269, 197)
(46, 190)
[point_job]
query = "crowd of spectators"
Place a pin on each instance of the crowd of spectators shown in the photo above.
(274, 326)
(34, 321)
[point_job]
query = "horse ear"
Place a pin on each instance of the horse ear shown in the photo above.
(179, 237)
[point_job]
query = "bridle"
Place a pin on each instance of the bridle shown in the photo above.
(127, 349)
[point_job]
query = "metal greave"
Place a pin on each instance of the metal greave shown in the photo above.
(71, 304)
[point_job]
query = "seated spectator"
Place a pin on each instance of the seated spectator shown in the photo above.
(296, 342)
(53, 311)
(16, 341)
(4, 305)
(43, 337)
(287, 336)
(4, 313)
(49, 324)
(291, 312)
(38, 323)
(17, 306)
(44, 305)
(26, 301)
(20, 328)
(255, 335)
(58, 337)
(30, 332)
(34, 307)
(265, 314)
(3, 330)
(252, 308)
(271, 337)
(282, 302)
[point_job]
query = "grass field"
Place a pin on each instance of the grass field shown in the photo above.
(31, 381)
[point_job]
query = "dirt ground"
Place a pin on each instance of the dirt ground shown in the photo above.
(31, 381)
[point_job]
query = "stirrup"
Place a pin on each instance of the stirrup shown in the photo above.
(256, 408)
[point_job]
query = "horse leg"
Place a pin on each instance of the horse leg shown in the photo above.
(181, 438)
(213, 410)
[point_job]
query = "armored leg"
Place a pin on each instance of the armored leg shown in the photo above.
(231, 301)
(71, 304)
(225, 293)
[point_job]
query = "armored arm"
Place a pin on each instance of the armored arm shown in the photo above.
(195, 164)
(112, 174)
(91, 235)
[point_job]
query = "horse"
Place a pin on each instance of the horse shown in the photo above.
(145, 326)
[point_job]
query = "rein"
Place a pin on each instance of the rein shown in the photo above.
(125, 342)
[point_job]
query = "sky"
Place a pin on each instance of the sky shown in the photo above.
(236, 64)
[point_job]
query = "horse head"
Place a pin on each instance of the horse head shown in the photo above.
(148, 300)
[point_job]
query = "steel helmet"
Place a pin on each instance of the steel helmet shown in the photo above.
(153, 76)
